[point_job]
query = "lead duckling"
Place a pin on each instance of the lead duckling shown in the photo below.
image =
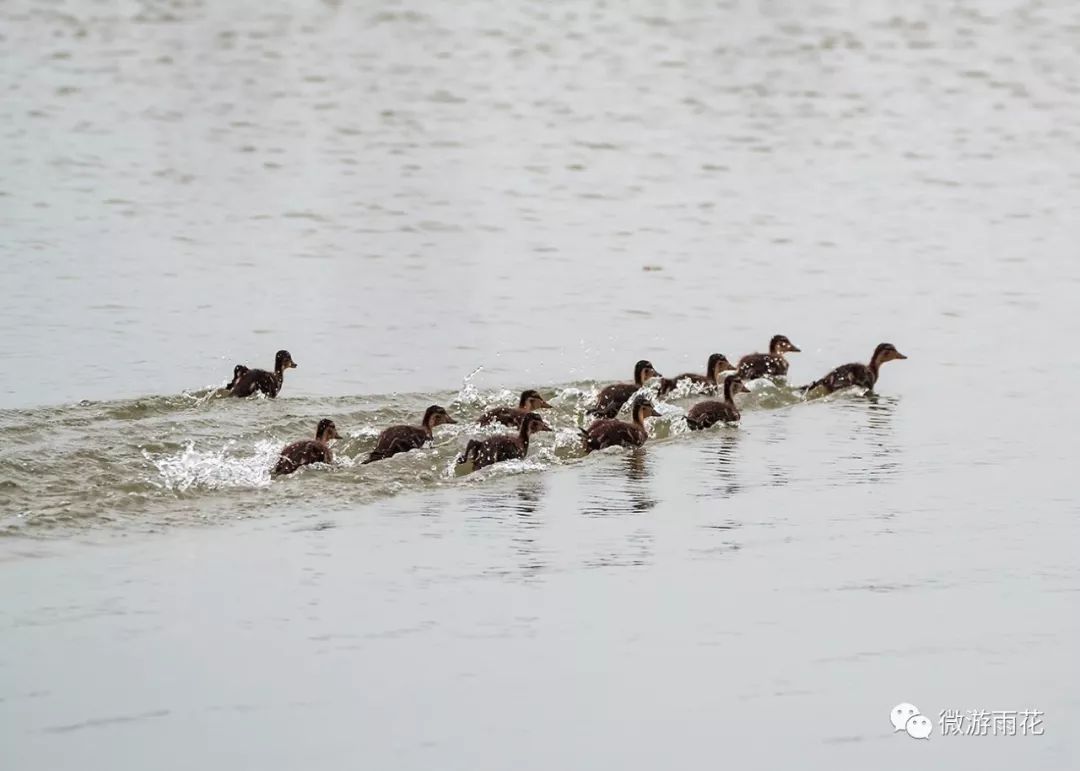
(708, 413)
(512, 416)
(308, 451)
(259, 380)
(613, 397)
(755, 365)
(710, 380)
(608, 432)
(856, 373)
(238, 372)
(485, 452)
(397, 439)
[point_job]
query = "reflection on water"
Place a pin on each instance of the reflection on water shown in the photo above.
(620, 485)
(509, 508)
(882, 462)
(777, 434)
(871, 455)
(721, 464)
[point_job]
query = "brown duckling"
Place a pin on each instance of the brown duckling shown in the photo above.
(238, 372)
(512, 416)
(708, 413)
(856, 373)
(755, 365)
(613, 397)
(269, 383)
(608, 432)
(710, 380)
(484, 452)
(307, 451)
(404, 438)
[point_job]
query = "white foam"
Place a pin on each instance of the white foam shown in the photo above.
(192, 469)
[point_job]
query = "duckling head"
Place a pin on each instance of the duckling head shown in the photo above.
(718, 363)
(733, 384)
(326, 430)
(436, 416)
(642, 408)
(532, 400)
(643, 371)
(780, 344)
(283, 360)
(886, 352)
(534, 423)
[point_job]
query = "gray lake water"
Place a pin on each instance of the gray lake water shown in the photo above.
(448, 203)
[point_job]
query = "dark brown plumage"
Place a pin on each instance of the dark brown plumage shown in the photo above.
(308, 451)
(512, 416)
(613, 397)
(404, 438)
(708, 413)
(773, 363)
(856, 374)
(710, 380)
(608, 432)
(238, 372)
(484, 452)
(259, 380)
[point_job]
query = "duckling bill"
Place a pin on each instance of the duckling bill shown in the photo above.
(771, 364)
(513, 416)
(613, 397)
(710, 381)
(397, 439)
(495, 449)
(708, 413)
(609, 432)
(260, 381)
(864, 376)
(308, 451)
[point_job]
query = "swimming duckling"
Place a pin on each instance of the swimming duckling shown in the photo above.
(613, 397)
(608, 432)
(512, 416)
(404, 438)
(485, 452)
(238, 372)
(307, 451)
(708, 413)
(755, 365)
(269, 383)
(856, 373)
(710, 380)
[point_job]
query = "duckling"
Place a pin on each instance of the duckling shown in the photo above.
(512, 416)
(238, 372)
(613, 397)
(307, 451)
(755, 365)
(269, 383)
(856, 373)
(710, 380)
(608, 432)
(404, 438)
(485, 452)
(708, 413)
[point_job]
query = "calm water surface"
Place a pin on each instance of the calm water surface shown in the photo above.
(449, 203)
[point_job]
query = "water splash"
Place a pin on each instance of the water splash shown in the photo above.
(193, 469)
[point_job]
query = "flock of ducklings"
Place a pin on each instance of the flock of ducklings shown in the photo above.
(605, 431)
